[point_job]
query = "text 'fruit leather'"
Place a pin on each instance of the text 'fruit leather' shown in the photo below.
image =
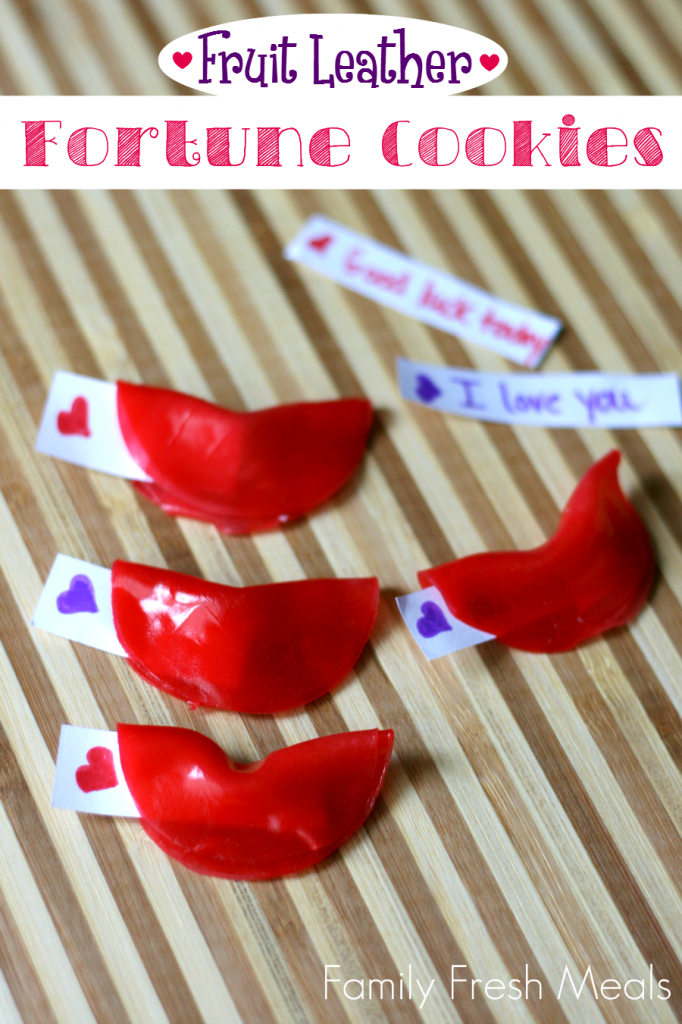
(255, 649)
(242, 471)
(280, 815)
(593, 574)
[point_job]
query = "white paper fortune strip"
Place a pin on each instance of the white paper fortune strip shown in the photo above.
(80, 425)
(430, 295)
(605, 400)
(88, 775)
(76, 604)
(434, 628)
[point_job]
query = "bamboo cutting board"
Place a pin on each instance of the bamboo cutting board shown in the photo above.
(532, 816)
(531, 819)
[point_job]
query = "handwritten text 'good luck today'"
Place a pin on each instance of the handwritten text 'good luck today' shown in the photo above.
(425, 293)
(609, 401)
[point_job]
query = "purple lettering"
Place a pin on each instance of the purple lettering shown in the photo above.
(505, 399)
(629, 404)
(316, 63)
(587, 402)
(284, 46)
(206, 59)
(405, 59)
(520, 403)
(606, 401)
(469, 398)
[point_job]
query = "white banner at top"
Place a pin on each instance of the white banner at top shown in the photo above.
(329, 139)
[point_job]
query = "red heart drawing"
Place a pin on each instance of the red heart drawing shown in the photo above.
(489, 60)
(182, 59)
(75, 420)
(99, 772)
(322, 243)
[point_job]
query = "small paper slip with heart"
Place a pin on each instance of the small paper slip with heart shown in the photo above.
(80, 425)
(434, 627)
(88, 775)
(76, 603)
(425, 293)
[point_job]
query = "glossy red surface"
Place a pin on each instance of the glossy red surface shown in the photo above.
(256, 821)
(249, 649)
(243, 471)
(593, 574)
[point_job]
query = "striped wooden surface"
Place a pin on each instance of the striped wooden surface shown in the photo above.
(533, 813)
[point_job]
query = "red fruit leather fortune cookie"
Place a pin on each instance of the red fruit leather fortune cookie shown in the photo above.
(249, 649)
(242, 471)
(253, 821)
(593, 574)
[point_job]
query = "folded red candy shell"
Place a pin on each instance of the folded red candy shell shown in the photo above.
(256, 821)
(593, 574)
(242, 471)
(250, 649)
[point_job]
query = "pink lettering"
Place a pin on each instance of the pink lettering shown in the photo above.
(568, 142)
(450, 309)
(517, 335)
(523, 150)
(647, 146)
(218, 147)
(77, 147)
(598, 147)
(268, 146)
(35, 142)
(375, 276)
(129, 145)
(475, 147)
(389, 144)
(321, 147)
(177, 143)
(351, 265)
(428, 147)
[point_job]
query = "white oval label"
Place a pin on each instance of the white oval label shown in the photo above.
(333, 55)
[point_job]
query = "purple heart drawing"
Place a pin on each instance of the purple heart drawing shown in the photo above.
(433, 621)
(80, 597)
(426, 389)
